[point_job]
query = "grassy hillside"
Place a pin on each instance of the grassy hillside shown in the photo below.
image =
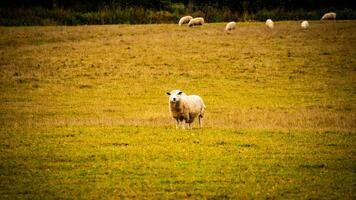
(84, 111)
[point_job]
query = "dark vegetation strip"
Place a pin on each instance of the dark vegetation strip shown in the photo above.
(57, 12)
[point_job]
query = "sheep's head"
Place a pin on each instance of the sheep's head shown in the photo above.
(175, 96)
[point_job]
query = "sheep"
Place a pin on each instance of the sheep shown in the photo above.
(185, 108)
(196, 21)
(330, 15)
(184, 20)
(305, 25)
(269, 23)
(230, 26)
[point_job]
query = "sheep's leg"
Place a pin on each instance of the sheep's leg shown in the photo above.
(200, 122)
(189, 121)
(186, 121)
(177, 123)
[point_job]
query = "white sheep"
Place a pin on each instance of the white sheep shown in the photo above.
(196, 21)
(305, 25)
(330, 15)
(230, 26)
(269, 23)
(184, 20)
(185, 108)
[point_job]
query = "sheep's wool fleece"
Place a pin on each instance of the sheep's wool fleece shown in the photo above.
(184, 20)
(304, 24)
(269, 23)
(230, 26)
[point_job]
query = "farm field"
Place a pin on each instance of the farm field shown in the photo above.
(84, 111)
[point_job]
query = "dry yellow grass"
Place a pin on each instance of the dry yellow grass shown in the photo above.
(250, 78)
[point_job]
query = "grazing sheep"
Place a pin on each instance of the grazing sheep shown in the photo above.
(184, 20)
(230, 26)
(185, 108)
(330, 15)
(305, 25)
(196, 21)
(269, 23)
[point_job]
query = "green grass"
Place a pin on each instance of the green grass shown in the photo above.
(146, 162)
(84, 112)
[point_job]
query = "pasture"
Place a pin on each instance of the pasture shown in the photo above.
(84, 111)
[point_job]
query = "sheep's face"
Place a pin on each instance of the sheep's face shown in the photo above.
(174, 96)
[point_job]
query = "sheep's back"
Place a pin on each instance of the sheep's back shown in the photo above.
(196, 103)
(185, 19)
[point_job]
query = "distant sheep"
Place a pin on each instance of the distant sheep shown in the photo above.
(184, 20)
(230, 26)
(185, 108)
(305, 25)
(196, 21)
(269, 23)
(330, 15)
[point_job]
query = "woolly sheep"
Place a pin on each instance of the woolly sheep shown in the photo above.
(305, 25)
(184, 20)
(185, 108)
(330, 15)
(196, 21)
(269, 23)
(230, 26)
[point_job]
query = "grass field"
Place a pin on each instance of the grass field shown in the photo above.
(84, 112)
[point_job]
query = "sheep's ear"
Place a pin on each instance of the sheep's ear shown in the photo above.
(179, 93)
(169, 93)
